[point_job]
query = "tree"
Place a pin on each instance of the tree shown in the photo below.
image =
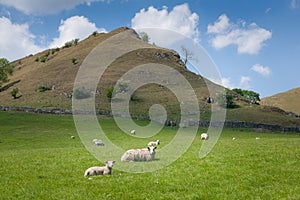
(187, 54)
(252, 96)
(145, 37)
(5, 69)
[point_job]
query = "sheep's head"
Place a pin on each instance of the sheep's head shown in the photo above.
(152, 149)
(110, 164)
(158, 142)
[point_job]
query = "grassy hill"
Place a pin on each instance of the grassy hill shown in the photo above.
(288, 101)
(46, 79)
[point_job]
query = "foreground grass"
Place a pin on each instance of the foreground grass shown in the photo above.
(38, 160)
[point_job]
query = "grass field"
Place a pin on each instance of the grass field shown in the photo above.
(39, 160)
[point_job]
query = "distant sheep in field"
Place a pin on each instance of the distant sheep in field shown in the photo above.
(72, 137)
(257, 138)
(104, 170)
(98, 142)
(204, 136)
(153, 143)
(233, 138)
(146, 154)
(132, 132)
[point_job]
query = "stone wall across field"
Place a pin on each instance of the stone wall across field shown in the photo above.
(227, 124)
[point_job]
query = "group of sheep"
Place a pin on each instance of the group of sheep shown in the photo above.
(132, 155)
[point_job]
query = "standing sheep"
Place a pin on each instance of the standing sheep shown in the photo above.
(153, 143)
(204, 136)
(146, 154)
(132, 132)
(94, 171)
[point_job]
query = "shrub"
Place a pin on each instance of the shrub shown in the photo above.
(109, 92)
(44, 58)
(81, 93)
(95, 33)
(14, 92)
(71, 43)
(43, 88)
(74, 61)
(37, 59)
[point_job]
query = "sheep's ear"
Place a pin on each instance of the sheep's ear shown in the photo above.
(154, 148)
(149, 148)
(113, 161)
(106, 162)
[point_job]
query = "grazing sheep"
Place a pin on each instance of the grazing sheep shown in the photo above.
(204, 136)
(257, 138)
(153, 143)
(104, 170)
(146, 154)
(132, 132)
(233, 138)
(72, 137)
(98, 142)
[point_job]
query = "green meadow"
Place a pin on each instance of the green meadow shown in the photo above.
(39, 160)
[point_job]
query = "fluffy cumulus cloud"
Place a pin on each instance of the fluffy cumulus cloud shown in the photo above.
(249, 39)
(16, 40)
(180, 19)
(245, 82)
(44, 7)
(74, 27)
(264, 71)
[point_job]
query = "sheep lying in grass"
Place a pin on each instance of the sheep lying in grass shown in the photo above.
(104, 170)
(204, 136)
(98, 142)
(153, 143)
(132, 132)
(72, 137)
(146, 154)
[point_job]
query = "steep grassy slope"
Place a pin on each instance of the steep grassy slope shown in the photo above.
(288, 101)
(59, 70)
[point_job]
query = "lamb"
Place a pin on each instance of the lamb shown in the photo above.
(98, 142)
(146, 154)
(132, 132)
(104, 170)
(153, 143)
(204, 136)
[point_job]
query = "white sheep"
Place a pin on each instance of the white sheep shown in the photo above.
(233, 138)
(204, 136)
(146, 154)
(132, 132)
(153, 143)
(72, 137)
(104, 170)
(257, 138)
(98, 142)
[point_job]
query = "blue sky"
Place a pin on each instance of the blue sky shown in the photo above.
(255, 44)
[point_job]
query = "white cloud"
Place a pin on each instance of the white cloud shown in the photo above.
(45, 7)
(264, 71)
(248, 39)
(180, 19)
(245, 82)
(72, 28)
(268, 10)
(293, 4)
(16, 40)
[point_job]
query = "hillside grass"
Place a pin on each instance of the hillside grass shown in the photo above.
(39, 160)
